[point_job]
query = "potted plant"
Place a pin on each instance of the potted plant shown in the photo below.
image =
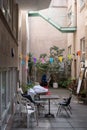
(54, 64)
(83, 93)
(25, 87)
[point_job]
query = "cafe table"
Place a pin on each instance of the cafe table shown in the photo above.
(49, 98)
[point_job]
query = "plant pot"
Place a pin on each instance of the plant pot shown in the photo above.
(55, 85)
(83, 95)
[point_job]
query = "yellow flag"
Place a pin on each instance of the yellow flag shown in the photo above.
(69, 56)
(60, 58)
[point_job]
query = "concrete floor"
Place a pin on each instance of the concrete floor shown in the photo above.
(77, 121)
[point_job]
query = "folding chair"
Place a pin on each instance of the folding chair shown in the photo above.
(25, 106)
(64, 105)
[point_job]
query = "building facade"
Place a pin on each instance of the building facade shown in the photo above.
(8, 59)
(77, 41)
(14, 41)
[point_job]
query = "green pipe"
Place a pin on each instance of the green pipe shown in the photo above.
(62, 29)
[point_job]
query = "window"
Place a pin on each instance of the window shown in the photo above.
(5, 6)
(10, 12)
(3, 91)
(69, 50)
(69, 61)
(8, 88)
(82, 3)
(82, 48)
(69, 15)
(8, 80)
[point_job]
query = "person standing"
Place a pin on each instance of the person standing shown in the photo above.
(44, 80)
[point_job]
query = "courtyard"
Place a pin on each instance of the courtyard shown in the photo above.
(76, 121)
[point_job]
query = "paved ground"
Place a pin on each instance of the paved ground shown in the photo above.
(77, 121)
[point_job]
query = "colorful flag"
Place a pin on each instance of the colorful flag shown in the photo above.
(27, 58)
(42, 60)
(34, 60)
(79, 53)
(69, 56)
(51, 60)
(60, 58)
(23, 62)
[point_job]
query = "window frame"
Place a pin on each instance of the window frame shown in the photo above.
(69, 16)
(82, 4)
(9, 109)
(82, 48)
(69, 49)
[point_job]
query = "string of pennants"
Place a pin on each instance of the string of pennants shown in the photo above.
(25, 59)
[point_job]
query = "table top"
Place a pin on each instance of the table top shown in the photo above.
(49, 97)
(41, 93)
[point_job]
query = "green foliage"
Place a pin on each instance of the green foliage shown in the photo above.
(43, 55)
(25, 87)
(47, 66)
(64, 83)
(42, 67)
(55, 52)
(83, 93)
(58, 68)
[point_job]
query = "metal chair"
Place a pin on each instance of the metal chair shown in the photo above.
(65, 105)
